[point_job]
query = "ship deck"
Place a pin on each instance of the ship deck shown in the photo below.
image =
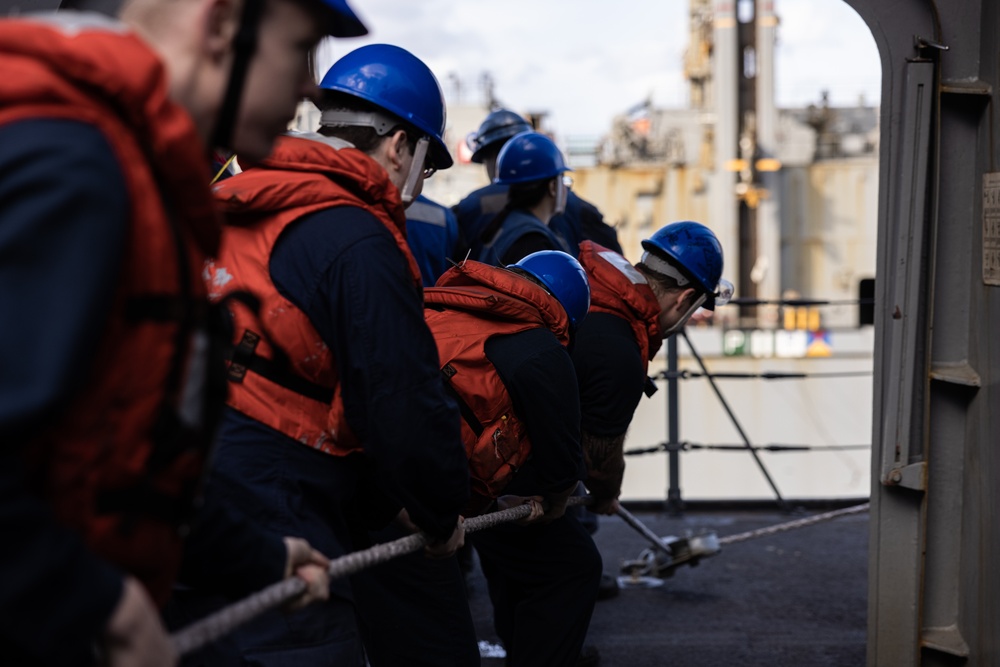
(792, 599)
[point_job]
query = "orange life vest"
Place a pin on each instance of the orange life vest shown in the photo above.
(469, 305)
(122, 464)
(616, 287)
(282, 373)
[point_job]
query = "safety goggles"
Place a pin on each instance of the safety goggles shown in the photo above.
(429, 169)
(724, 292)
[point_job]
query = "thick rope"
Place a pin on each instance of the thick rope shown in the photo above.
(204, 632)
(226, 620)
(792, 525)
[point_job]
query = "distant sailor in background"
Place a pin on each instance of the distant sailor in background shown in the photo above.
(579, 221)
(533, 169)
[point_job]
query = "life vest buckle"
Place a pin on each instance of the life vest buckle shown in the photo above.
(243, 354)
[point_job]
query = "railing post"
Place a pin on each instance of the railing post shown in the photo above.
(674, 503)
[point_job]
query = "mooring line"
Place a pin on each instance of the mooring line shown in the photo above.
(792, 525)
(203, 632)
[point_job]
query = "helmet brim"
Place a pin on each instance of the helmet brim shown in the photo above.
(479, 154)
(439, 154)
(344, 23)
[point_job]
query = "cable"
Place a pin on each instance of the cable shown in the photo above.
(685, 374)
(750, 301)
(782, 448)
(692, 446)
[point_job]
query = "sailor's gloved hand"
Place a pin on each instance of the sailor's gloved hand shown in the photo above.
(310, 566)
(447, 548)
(605, 506)
(555, 504)
(537, 510)
(605, 459)
(605, 485)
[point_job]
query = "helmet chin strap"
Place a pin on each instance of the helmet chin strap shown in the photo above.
(244, 47)
(679, 324)
(376, 120)
(416, 168)
(562, 193)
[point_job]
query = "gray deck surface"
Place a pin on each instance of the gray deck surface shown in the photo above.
(795, 599)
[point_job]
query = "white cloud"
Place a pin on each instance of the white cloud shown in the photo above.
(586, 60)
(824, 45)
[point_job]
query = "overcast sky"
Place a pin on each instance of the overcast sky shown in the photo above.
(584, 61)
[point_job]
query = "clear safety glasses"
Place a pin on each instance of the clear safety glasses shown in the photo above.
(429, 170)
(724, 292)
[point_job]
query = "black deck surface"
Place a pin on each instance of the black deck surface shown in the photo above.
(794, 599)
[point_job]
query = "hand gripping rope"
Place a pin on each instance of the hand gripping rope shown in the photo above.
(224, 621)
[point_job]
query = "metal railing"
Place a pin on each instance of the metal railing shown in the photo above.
(673, 375)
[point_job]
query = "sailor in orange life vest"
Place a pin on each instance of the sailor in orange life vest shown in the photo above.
(106, 407)
(632, 309)
(337, 415)
(501, 336)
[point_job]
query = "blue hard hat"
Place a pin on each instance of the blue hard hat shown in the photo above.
(696, 252)
(347, 23)
(499, 126)
(564, 277)
(529, 156)
(394, 79)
